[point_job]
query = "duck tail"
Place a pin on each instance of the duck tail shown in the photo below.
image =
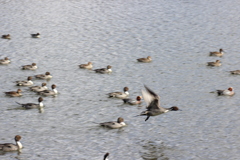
(125, 100)
(18, 103)
(95, 123)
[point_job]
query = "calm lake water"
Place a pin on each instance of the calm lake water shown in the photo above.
(178, 35)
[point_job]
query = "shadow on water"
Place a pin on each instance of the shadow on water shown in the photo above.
(11, 152)
(153, 150)
(40, 110)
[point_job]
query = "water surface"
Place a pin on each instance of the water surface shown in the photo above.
(177, 34)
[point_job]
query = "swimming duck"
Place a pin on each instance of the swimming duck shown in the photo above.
(227, 92)
(106, 156)
(218, 54)
(235, 72)
(47, 75)
(114, 125)
(32, 105)
(86, 66)
(30, 67)
(7, 147)
(120, 94)
(148, 59)
(153, 104)
(6, 36)
(13, 93)
(104, 70)
(133, 101)
(5, 61)
(216, 64)
(39, 88)
(25, 83)
(37, 35)
(49, 92)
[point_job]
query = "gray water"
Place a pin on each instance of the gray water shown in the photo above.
(178, 35)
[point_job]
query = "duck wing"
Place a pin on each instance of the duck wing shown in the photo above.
(11, 92)
(40, 76)
(28, 105)
(100, 69)
(115, 93)
(153, 105)
(9, 145)
(46, 91)
(107, 123)
(151, 98)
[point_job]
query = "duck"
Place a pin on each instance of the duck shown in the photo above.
(227, 92)
(47, 75)
(145, 60)
(14, 93)
(33, 66)
(7, 147)
(37, 35)
(86, 66)
(133, 101)
(153, 104)
(105, 157)
(39, 88)
(32, 105)
(29, 82)
(104, 70)
(6, 36)
(120, 94)
(214, 64)
(49, 92)
(235, 72)
(5, 61)
(114, 125)
(218, 54)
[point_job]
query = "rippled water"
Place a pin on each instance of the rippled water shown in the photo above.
(177, 34)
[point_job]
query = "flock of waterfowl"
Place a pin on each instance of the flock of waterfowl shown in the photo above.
(229, 91)
(150, 97)
(41, 90)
